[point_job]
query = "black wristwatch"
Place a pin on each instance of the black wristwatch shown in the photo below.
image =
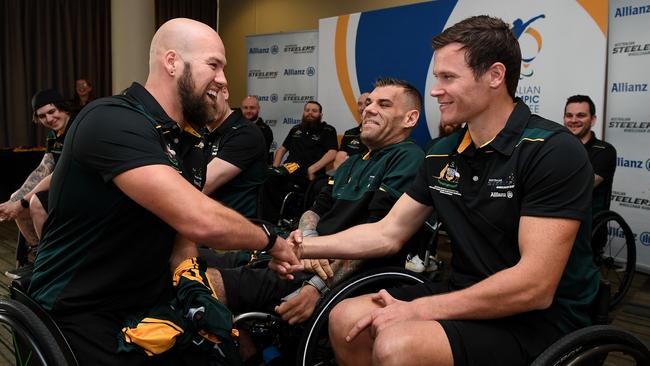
(271, 235)
(24, 202)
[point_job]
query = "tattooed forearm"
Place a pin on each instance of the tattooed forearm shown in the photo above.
(343, 269)
(42, 170)
(308, 221)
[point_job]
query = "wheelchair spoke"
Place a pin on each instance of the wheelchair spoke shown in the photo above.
(614, 250)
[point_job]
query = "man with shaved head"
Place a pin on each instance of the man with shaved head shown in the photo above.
(250, 108)
(126, 188)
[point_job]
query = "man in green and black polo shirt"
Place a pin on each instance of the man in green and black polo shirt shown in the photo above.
(362, 190)
(351, 141)
(311, 146)
(513, 191)
(126, 187)
(579, 117)
(237, 160)
(28, 205)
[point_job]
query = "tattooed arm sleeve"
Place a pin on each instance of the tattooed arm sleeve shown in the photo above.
(42, 170)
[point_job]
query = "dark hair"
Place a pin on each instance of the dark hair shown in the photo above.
(486, 40)
(412, 93)
(320, 107)
(64, 106)
(582, 99)
(75, 97)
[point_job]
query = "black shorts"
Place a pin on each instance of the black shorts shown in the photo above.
(93, 339)
(43, 197)
(251, 289)
(514, 340)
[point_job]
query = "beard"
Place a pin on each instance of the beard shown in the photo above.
(196, 110)
(253, 117)
(310, 123)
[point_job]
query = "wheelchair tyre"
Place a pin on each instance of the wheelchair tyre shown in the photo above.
(314, 346)
(616, 258)
(595, 345)
(32, 342)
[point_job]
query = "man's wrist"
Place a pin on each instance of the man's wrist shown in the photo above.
(271, 238)
(318, 284)
(309, 232)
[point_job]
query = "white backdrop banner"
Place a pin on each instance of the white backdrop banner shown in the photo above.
(628, 117)
(282, 73)
(563, 47)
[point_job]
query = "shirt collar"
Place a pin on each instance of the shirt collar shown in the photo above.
(506, 140)
(376, 152)
(149, 103)
(229, 122)
(592, 139)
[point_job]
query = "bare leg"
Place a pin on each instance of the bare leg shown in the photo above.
(26, 227)
(38, 214)
(412, 343)
(246, 345)
(342, 318)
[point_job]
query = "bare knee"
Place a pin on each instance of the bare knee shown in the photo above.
(391, 347)
(338, 320)
(412, 342)
(340, 314)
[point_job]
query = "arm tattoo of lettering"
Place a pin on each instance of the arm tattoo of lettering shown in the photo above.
(42, 170)
(308, 221)
(343, 269)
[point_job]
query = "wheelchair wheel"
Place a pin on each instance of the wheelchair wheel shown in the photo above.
(314, 346)
(596, 345)
(25, 340)
(614, 251)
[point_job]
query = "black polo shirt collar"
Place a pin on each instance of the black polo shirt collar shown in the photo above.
(319, 127)
(592, 140)
(506, 140)
(151, 105)
(229, 123)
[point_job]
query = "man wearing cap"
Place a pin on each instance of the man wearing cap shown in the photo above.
(53, 112)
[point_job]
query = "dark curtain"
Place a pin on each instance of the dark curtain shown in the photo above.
(204, 11)
(49, 44)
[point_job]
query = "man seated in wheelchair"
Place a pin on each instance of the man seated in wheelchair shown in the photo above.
(311, 146)
(513, 191)
(127, 184)
(363, 189)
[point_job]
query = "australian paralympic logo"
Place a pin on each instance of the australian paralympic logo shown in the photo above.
(524, 33)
